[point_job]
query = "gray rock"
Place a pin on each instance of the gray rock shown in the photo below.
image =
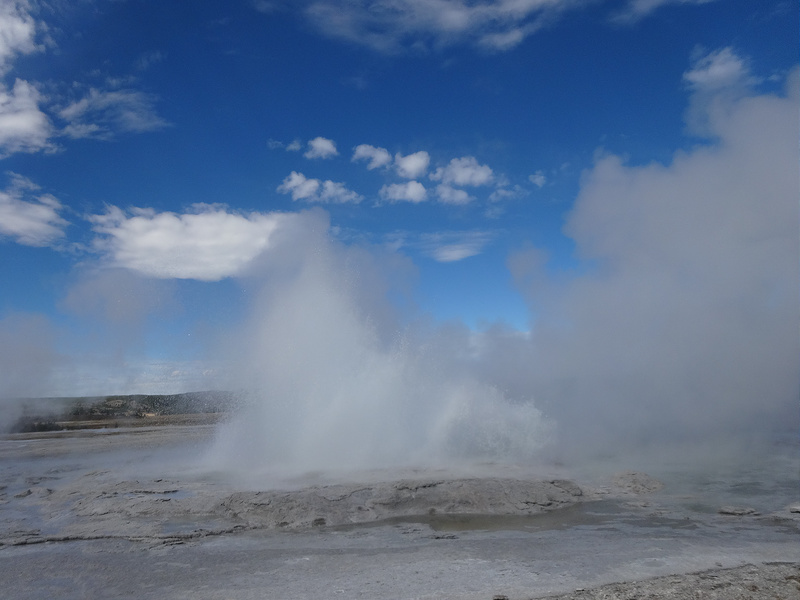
(349, 504)
(737, 511)
(631, 482)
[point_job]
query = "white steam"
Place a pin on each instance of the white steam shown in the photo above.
(335, 384)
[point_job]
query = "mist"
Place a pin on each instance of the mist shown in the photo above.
(335, 379)
(685, 325)
(680, 330)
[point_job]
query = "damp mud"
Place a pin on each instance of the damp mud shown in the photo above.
(136, 512)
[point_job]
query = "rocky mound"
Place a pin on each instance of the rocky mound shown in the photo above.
(350, 504)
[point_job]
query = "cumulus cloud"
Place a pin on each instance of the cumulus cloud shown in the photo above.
(28, 217)
(638, 9)
(450, 195)
(412, 166)
(686, 325)
(314, 190)
(492, 24)
(102, 113)
(321, 147)
(23, 126)
(208, 244)
(337, 193)
(412, 191)
(464, 171)
(376, 157)
(299, 186)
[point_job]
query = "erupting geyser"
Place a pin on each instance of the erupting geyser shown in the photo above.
(333, 382)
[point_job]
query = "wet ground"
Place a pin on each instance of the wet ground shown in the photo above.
(136, 513)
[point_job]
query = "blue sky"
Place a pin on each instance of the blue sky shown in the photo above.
(496, 160)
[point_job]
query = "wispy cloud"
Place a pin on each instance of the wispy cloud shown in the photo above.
(443, 246)
(103, 113)
(17, 33)
(452, 246)
(398, 25)
(23, 125)
(145, 61)
(28, 217)
(639, 9)
(715, 81)
(718, 70)
(538, 178)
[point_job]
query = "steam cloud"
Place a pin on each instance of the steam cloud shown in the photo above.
(682, 329)
(338, 384)
(682, 326)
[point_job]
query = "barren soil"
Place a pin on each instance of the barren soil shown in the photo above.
(133, 512)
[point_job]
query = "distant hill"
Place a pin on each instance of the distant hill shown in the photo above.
(54, 414)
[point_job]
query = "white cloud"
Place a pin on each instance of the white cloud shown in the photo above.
(450, 195)
(403, 24)
(411, 191)
(148, 59)
(452, 246)
(267, 7)
(295, 146)
(377, 157)
(413, 165)
(464, 171)
(504, 193)
(716, 80)
(30, 219)
(101, 114)
(638, 9)
(17, 32)
(23, 126)
(717, 70)
(299, 186)
(321, 147)
(209, 244)
(337, 193)
(313, 190)
(538, 179)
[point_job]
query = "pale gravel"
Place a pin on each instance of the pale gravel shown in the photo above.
(770, 581)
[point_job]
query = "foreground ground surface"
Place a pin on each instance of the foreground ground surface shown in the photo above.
(139, 513)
